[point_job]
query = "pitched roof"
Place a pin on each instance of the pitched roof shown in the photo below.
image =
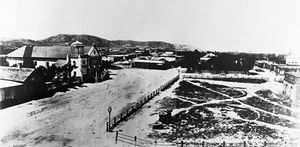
(58, 52)
(5, 83)
(15, 74)
(77, 43)
(18, 52)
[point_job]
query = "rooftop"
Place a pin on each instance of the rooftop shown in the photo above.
(77, 43)
(58, 52)
(5, 83)
(14, 73)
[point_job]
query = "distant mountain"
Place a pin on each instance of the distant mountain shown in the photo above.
(153, 44)
(67, 39)
(88, 40)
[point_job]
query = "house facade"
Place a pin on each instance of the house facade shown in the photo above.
(292, 86)
(86, 60)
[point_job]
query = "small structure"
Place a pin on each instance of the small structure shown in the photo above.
(207, 57)
(282, 69)
(292, 85)
(20, 84)
(293, 59)
(165, 116)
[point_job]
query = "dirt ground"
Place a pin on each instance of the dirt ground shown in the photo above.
(77, 117)
(242, 107)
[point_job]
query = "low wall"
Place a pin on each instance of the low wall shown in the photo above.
(200, 76)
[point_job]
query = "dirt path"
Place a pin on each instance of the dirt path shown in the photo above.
(140, 124)
(77, 117)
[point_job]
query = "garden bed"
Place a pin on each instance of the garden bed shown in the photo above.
(268, 94)
(189, 90)
(230, 91)
(212, 120)
(264, 105)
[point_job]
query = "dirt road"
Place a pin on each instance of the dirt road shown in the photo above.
(77, 117)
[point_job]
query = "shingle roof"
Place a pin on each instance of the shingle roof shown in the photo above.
(15, 74)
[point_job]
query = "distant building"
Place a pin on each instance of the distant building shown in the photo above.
(278, 68)
(87, 59)
(207, 57)
(292, 85)
(153, 62)
(293, 59)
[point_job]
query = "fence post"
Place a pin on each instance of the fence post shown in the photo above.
(134, 140)
(224, 144)
(265, 143)
(107, 127)
(117, 132)
(202, 143)
(181, 143)
(245, 145)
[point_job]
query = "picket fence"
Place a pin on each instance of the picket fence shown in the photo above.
(110, 125)
(199, 76)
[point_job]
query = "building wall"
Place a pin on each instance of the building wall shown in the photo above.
(149, 65)
(12, 61)
(20, 94)
(291, 87)
(44, 63)
(292, 61)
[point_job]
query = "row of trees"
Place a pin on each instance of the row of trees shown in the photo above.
(221, 62)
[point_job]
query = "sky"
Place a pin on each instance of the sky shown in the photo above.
(271, 26)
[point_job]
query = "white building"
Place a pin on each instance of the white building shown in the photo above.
(293, 59)
(292, 85)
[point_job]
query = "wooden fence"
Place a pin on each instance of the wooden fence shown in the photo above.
(110, 125)
(136, 141)
(199, 76)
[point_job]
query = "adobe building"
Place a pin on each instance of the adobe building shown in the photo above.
(18, 85)
(292, 86)
(87, 60)
(153, 62)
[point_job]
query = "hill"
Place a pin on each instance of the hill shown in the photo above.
(67, 39)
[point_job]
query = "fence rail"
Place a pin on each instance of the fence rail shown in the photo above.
(199, 76)
(110, 125)
(136, 141)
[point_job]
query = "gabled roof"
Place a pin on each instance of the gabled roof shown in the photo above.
(59, 52)
(18, 52)
(93, 52)
(15, 74)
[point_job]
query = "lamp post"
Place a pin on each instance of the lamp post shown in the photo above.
(109, 111)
